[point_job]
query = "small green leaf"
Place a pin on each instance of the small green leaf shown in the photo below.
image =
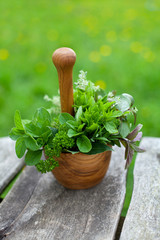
(80, 127)
(116, 114)
(102, 139)
(111, 127)
(73, 152)
(92, 128)
(124, 129)
(79, 113)
(20, 147)
(53, 130)
(16, 133)
(99, 147)
(41, 115)
(123, 103)
(31, 143)
(18, 121)
(84, 144)
(33, 157)
(32, 129)
(72, 124)
(73, 133)
(64, 117)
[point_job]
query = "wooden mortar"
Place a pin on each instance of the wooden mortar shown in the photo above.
(75, 171)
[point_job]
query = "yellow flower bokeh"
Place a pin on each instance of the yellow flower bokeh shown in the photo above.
(101, 83)
(4, 54)
(105, 50)
(94, 56)
(111, 36)
(136, 47)
(149, 56)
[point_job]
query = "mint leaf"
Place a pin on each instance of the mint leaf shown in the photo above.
(18, 121)
(72, 124)
(111, 127)
(31, 143)
(33, 157)
(124, 129)
(73, 133)
(99, 147)
(16, 133)
(64, 117)
(33, 130)
(20, 147)
(42, 115)
(84, 144)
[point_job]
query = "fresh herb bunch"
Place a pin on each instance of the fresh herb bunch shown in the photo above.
(101, 120)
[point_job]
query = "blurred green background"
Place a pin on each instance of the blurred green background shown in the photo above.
(117, 42)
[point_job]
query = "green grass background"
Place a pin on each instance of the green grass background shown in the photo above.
(117, 42)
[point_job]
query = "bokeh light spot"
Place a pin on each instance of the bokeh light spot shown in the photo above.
(101, 83)
(4, 54)
(126, 34)
(94, 56)
(149, 56)
(136, 47)
(105, 50)
(111, 36)
(130, 14)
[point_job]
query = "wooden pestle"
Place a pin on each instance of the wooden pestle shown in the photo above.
(64, 60)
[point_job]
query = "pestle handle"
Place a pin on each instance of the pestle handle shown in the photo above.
(64, 60)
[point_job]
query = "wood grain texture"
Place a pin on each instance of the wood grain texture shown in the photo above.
(53, 212)
(81, 171)
(9, 163)
(64, 59)
(143, 218)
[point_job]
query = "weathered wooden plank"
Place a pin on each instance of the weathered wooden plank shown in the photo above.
(9, 163)
(17, 198)
(53, 212)
(143, 218)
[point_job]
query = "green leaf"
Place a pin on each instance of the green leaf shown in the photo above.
(84, 144)
(64, 117)
(20, 147)
(102, 139)
(123, 103)
(53, 130)
(18, 121)
(99, 147)
(72, 124)
(73, 152)
(80, 127)
(16, 133)
(111, 127)
(32, 129)
(41, 115)
(124, 129)
(92, 128)
(31, 143)
(116, 114)
(73, 133)
(79, 113)
(33, 157)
